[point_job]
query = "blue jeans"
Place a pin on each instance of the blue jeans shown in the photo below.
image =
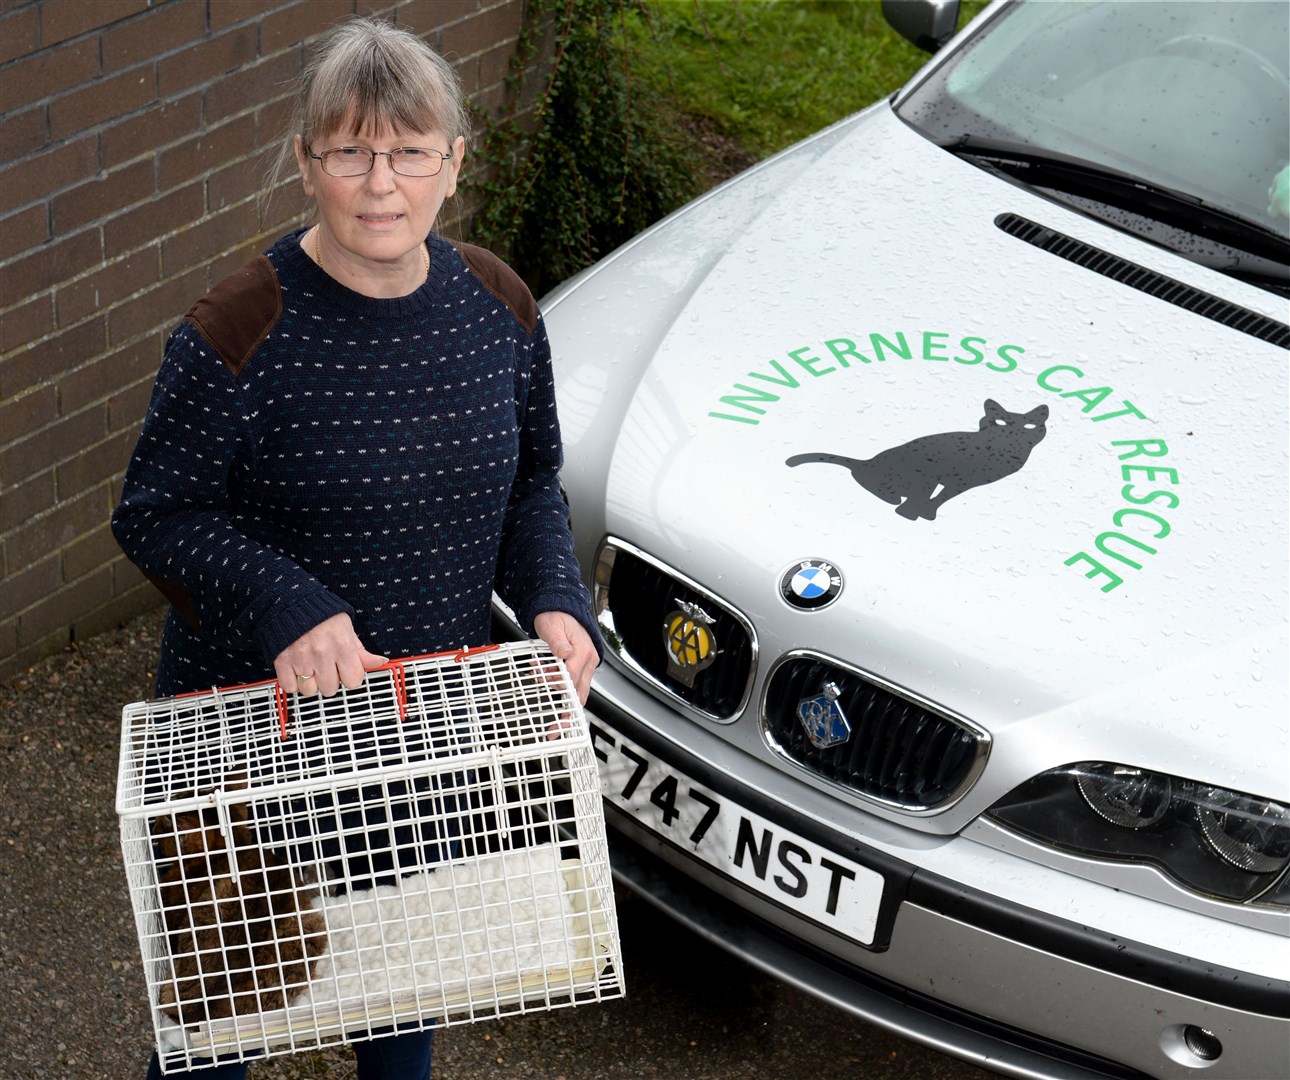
(396, 1057)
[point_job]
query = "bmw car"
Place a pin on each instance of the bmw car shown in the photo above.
(930, 479)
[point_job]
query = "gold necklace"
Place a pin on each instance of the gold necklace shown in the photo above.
(425, 253)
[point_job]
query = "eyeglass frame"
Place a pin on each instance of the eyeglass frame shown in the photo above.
(444, 158)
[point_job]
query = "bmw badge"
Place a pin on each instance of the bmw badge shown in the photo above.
(810, 584)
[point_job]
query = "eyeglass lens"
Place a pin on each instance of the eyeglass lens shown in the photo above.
(405, 160)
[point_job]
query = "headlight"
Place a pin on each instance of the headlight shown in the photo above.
(1213, 841)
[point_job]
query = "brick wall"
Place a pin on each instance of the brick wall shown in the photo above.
(132, 142)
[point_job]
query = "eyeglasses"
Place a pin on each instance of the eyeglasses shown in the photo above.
(404, 160)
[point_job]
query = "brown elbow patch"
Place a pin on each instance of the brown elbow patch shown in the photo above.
(503, 282)
(237, 315)
(180, 598)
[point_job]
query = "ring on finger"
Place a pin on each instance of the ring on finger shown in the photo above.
(302, 676)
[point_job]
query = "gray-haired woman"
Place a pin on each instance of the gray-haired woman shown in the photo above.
(352, 441)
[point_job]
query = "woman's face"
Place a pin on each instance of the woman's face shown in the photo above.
(375, 224)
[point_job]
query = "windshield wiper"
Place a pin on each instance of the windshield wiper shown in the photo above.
(1246, 248)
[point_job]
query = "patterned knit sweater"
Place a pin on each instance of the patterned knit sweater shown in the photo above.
(309, 450)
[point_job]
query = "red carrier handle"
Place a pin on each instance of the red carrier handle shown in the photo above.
(394, 667)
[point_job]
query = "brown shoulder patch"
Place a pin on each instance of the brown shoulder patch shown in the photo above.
(503, 282)
(237, 315)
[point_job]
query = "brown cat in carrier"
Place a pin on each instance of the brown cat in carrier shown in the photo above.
(243, 937)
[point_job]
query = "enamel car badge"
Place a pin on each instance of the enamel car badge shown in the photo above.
(823, 719)
(810, 584)
(690, 644)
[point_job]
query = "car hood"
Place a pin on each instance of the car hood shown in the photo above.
(786, 371)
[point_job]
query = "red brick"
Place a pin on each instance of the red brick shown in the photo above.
(23, 231)
(494, 66)
(285, 205)
(127, 406)
(19, 33)
(24, 324)
(58, 610)
(272, 121)
(285, 212)
(205, 151)
(139, 227)
(9, 667)
(155, 127)
(24, 501)
(206, 60)
(36, 177)
(452, 223)
(299, 22)
(103, 196)
(115, 614)
(421, 16)
(25, 413)
(492, 101)
(63, 19)
(42, 362)
(103, 99)
(235, 182)
(212, 236)
(103, 288)
(128, 580)
(23, 658)
(94, 464)
(50, 72)
(60, 440)
(220, 267)
(47, 265)
(91, 551)
(254, 85)
(225, 13)
(164, 28)
(160, 307)
(105, 375)
(21, 133)
(24, 586)
(480, 33)
(36, 538)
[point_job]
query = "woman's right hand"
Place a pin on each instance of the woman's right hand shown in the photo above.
(326, 658)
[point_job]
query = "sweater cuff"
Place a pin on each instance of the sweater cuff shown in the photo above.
(578, 606)
(282, 627)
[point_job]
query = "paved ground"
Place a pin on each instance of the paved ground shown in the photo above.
(73, 1006)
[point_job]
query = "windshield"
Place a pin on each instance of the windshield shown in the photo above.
(1190, 97)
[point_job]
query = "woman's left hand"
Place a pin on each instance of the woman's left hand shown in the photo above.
(572, 644)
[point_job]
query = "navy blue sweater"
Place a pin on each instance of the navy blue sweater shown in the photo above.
(309, 450)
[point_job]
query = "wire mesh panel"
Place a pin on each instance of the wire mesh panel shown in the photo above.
(426, 849)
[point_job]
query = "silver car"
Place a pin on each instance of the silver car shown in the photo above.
(931, 480)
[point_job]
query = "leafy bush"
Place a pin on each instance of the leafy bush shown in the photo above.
(650, 102)
(606, 157)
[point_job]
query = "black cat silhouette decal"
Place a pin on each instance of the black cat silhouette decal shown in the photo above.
(923, 475)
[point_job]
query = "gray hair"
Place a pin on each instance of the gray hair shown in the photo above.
(373, 73)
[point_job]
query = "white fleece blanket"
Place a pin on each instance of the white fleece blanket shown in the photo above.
(499, 917)
(506, 927)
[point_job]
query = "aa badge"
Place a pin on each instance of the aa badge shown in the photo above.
(688, 639)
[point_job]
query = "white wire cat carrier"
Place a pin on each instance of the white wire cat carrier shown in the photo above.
(426, 849)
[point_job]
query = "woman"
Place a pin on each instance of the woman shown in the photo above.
(352, 441)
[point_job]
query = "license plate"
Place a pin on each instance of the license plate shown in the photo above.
(761, 855)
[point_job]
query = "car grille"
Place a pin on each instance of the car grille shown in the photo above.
(639, 593)
(900, 751)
